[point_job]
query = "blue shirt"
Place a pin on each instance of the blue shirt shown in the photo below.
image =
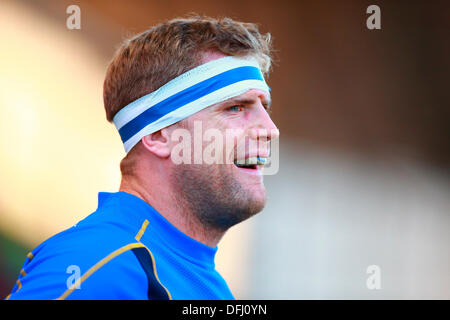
(124, 250)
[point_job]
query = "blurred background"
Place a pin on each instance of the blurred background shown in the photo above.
(364, 149)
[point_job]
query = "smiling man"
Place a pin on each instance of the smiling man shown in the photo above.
(157, 237)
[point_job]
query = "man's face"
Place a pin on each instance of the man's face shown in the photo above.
(229, 190)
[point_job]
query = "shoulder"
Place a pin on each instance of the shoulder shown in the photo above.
(88, 261)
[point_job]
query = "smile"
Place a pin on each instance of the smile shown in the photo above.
(251, 162)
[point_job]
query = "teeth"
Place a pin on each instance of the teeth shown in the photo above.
(262, 160)
(251, 161)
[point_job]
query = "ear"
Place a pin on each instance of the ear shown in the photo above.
(158, 143)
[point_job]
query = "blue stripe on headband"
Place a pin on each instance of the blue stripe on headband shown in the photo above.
(188, 95)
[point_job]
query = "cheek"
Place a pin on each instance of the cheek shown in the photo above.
(232, 133)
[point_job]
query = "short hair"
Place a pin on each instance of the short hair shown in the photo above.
(148, 60)
(152, 58)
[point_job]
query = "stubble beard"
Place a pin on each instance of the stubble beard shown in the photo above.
(216, 199)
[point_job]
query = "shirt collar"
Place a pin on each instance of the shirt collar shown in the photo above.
(133, 211)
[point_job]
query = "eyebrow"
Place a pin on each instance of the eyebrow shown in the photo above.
(266, 102)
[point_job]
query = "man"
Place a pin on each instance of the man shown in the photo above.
(157, 237)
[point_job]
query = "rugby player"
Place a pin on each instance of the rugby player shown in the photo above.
(156, 238)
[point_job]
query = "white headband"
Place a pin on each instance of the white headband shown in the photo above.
(192, 91)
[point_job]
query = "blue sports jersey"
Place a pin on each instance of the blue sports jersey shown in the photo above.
(124, 250)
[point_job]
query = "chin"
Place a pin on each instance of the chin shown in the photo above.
(220, 198)
(254, 189)
(257, 195)
(251, 201)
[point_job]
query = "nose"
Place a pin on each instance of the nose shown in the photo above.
(264, 127)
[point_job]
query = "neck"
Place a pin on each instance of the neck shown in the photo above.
(164, 201)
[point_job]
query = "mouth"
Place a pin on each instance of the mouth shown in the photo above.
(251, 163)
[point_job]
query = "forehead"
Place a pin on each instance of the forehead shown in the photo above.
(250, 96)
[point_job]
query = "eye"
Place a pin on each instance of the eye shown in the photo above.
(236, 108)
